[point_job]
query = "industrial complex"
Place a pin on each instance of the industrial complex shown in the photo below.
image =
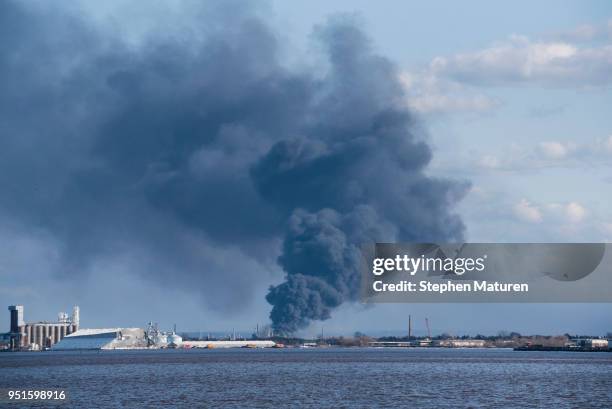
(65, 334)
(38, 335)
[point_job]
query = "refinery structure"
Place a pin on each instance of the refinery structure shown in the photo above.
(158, 339)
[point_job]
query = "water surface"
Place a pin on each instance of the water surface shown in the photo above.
(338, 377)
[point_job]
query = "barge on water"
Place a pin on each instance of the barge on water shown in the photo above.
(564, 348)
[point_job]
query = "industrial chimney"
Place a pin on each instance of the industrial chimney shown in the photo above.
(75, 317)
(409, 326)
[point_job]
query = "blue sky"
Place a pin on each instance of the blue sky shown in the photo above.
(514, 97)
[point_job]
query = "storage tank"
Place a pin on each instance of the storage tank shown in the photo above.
(160, 339)
(174, 340)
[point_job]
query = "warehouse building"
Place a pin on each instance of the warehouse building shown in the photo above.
(103, 338)
(591, 343)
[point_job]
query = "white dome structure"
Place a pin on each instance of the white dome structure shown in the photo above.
(174, 340)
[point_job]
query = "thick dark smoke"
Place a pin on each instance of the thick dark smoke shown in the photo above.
(193, 158)
(353, 176)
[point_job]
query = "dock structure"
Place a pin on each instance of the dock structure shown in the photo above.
(401, 344)
(229, 344)
(450, 343)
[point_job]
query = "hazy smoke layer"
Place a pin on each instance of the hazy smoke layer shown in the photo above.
(192, 157)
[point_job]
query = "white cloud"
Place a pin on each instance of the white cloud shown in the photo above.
(579, 57)
(451, 103)
(567, 154)
(528, 212)
(567, 214)
(554, 150)
(575, 212)
(521, 60)
(429, 94)
(608, 144)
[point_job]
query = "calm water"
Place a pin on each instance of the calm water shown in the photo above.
(420, 378)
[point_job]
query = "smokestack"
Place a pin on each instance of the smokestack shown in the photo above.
(75, 316)
(409, 326)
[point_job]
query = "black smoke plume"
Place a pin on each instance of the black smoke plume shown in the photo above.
(354, 175)
(190, 157)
